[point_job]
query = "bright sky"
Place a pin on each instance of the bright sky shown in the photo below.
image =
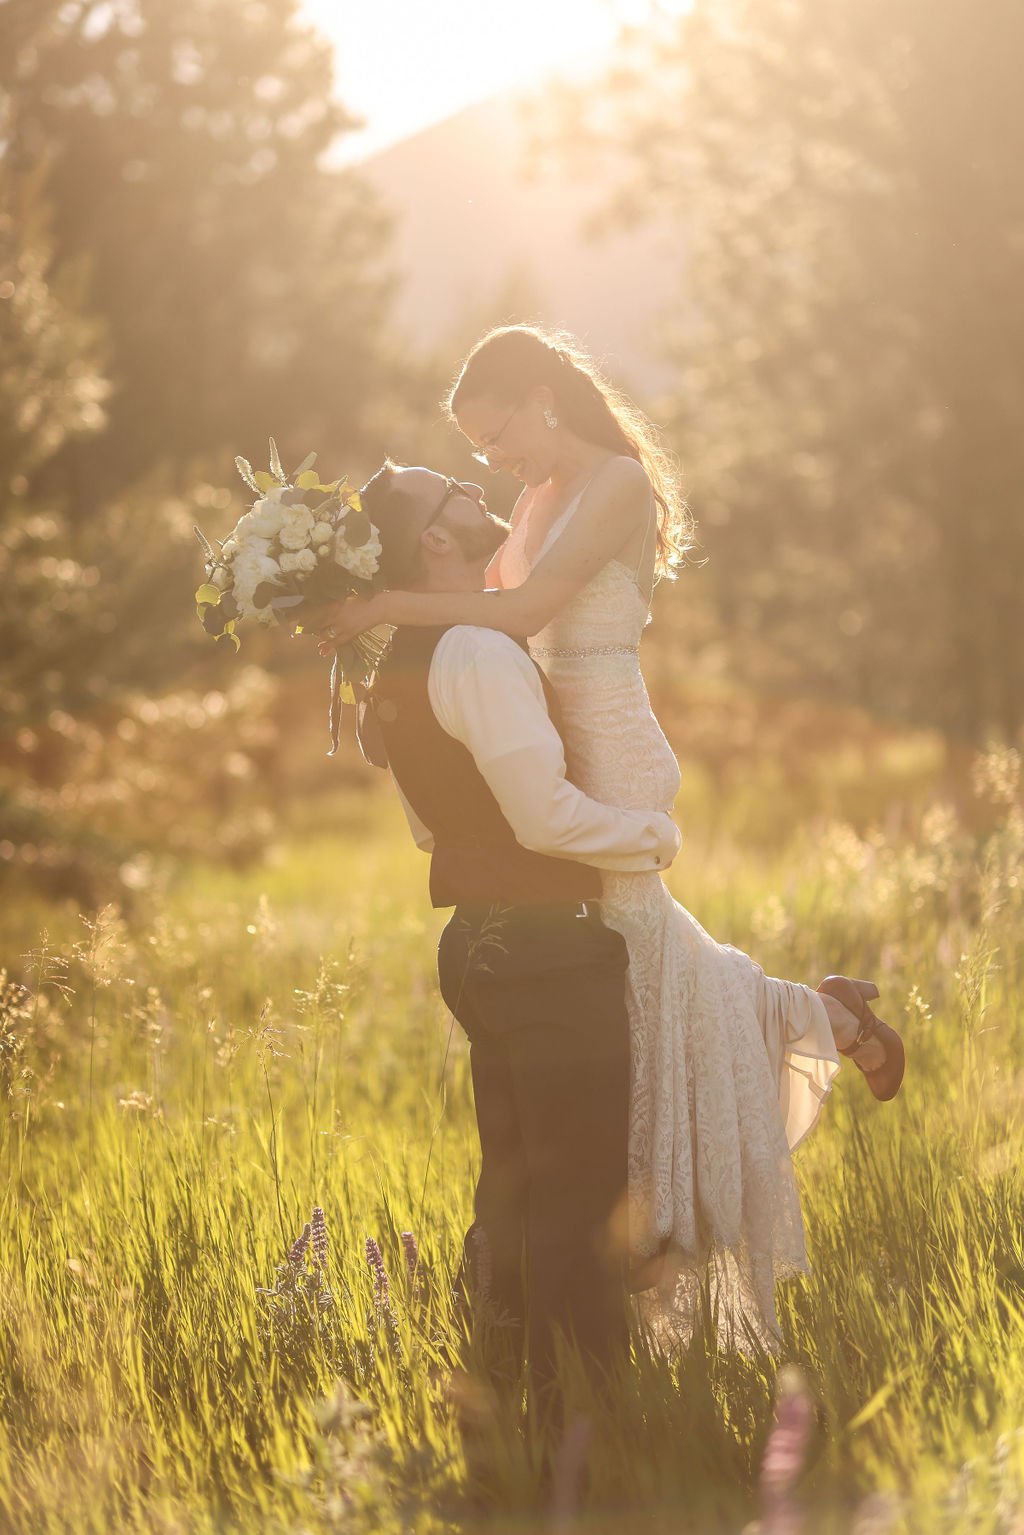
(401, 64)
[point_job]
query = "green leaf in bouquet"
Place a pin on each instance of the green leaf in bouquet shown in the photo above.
(228, 605)
(214, 621)
(353, 499)
(357, 529)
(307, 463)
(292, 497)
(265, 481)
(228, 633)
(275, 464)
(263, 593)
(245, 469)
(208, 593)
(308, 480)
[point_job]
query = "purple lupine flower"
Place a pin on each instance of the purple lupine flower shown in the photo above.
(381, 1284)
(319, 1225)
(785, 1454)
(297, 1251)
(412, 1255)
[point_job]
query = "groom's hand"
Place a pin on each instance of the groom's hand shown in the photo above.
(317, 618)
(347, 620)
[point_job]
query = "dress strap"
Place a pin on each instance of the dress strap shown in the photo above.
(558, 524)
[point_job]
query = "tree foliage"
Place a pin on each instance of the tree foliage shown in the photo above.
(846, 180)
(238, 274)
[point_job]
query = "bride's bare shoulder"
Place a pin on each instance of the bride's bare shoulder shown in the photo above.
(624, 474)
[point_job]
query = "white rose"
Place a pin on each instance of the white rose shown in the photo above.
(362, 562)
(323, 552)
(253, 547)
(265, 518)
(304, 559)
(321, 534)
(249, 570)
(296, 528)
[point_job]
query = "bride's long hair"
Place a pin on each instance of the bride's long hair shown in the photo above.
(512, 359)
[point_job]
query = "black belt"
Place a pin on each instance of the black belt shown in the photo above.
(583, 910)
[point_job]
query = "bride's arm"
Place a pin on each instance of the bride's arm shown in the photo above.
(611, 511)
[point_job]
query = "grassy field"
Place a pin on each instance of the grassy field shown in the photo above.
(188, 1077)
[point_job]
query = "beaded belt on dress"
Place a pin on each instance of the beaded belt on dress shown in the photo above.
(585, 650)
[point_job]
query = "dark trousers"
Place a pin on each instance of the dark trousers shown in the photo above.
(540, 992)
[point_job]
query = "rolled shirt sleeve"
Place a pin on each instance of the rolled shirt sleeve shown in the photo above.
(485, 692)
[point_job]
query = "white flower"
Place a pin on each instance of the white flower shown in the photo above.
(325, 512)
(321, 534)
(304, 559)
(265, 518)
(253, 546)
(221, 578)
(362, 562)
(323, 551)
(249, 570)
(296, 527)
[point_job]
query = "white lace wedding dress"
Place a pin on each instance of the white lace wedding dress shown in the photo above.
(729, 1067)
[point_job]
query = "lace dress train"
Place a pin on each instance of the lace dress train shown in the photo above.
(730, 1067)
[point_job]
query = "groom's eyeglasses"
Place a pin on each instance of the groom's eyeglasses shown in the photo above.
(485, 454)
(451, 488)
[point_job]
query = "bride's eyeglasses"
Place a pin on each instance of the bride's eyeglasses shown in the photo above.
(486, 454)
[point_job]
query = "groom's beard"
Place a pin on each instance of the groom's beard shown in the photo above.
(481, 542)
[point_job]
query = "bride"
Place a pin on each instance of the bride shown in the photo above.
(730, 1067)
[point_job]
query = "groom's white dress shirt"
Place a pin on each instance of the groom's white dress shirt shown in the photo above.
(486, 692)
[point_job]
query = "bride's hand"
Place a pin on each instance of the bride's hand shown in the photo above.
(335, 623)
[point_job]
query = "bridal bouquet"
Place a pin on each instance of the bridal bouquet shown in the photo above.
(301, 544)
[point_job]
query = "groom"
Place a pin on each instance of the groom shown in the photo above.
(526, 965)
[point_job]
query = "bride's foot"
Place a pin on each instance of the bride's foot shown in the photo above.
(875, 1047)
(845, 1028)
(645, 1273)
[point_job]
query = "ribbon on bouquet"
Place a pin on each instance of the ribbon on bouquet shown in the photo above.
(369, 735)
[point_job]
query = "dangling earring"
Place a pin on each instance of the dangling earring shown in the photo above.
(550, 418)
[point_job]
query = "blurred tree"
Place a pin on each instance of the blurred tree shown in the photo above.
(52, 391)
(851, 354)
(181, 273)
(238, 274)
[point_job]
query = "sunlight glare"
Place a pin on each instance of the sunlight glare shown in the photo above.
(401, 66)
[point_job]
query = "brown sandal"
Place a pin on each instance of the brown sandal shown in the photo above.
(885, 1080)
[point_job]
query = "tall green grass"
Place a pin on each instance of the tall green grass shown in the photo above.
(240, 1047)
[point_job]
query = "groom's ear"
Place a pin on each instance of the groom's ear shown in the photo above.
(436, 540)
